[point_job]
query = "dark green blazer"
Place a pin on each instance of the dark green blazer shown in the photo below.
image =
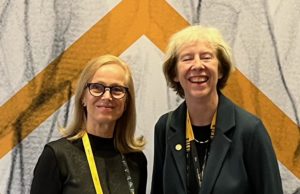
(241, 158)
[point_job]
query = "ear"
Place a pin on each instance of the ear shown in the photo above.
(220, 71)
(220, 75)
(83, 102)
(175, 79)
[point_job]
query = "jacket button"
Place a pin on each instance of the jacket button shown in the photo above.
(178, 147)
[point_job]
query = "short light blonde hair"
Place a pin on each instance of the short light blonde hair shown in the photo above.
(197, 33)
(124, 133)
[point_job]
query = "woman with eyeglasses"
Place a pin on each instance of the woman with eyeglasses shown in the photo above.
(99, 153)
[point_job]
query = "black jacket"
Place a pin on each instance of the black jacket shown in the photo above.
(241, 158)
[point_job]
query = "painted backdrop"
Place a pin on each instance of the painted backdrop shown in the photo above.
(45, 44)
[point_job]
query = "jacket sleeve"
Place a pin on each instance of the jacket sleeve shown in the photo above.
(261, 162)
(46, 177)
(159, 155)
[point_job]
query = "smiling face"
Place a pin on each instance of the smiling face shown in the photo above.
(197, 70)
(105, 109)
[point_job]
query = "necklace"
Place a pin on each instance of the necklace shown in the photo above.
(201, 142)
(193, 152)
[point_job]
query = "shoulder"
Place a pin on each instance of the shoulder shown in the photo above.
(161, 126)
(251, 127)
(56, 144)
(137, 159)
(161, 122)
(235, 113)
(63, 146)
(49, 157)
(137, 156)
(175, 114)
(246, 117)
(248, 125)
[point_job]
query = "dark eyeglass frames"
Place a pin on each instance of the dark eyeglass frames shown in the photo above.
(97, 89)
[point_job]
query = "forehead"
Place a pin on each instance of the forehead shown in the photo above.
(112, 72)
(199, 46)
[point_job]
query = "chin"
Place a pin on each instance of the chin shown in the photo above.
(200, 94)
(106, 119)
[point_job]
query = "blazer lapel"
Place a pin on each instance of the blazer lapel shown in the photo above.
(220, 144)
(176, 141)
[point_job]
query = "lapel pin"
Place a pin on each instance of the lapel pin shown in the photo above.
(178, 147)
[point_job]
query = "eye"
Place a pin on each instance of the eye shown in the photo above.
(118, 90)
(206, 57)
(186, 58)
(96, 87)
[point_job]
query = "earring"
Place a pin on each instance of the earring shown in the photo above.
(83, 104)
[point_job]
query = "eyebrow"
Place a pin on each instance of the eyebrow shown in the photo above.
(190, 53)
(103, 83)
(184, 55)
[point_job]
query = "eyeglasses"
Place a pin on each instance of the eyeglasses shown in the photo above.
(97, 90)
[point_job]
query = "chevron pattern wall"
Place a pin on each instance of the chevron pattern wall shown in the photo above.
(44, 45)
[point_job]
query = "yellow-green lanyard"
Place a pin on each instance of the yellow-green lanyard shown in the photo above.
(93, 168)
(189, 129)
(91, 161)
(189, 138)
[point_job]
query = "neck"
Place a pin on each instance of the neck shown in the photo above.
(105, 130)
(202, 111)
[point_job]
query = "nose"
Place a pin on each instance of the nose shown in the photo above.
(198, 64)
(106, 94)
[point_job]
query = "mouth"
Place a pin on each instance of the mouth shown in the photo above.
(105, 106)
(198, 79)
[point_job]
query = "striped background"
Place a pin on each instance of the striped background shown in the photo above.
(45, 44)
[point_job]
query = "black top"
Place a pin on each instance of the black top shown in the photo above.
(201, 134)
(63, 168)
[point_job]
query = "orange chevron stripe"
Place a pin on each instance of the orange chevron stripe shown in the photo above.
(164, 21)
(51, 88)
(283, 131)
(42, 96)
